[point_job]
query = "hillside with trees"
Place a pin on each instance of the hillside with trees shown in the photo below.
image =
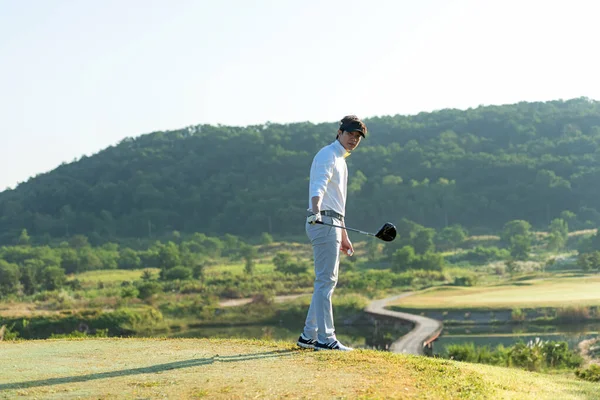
(478, 168)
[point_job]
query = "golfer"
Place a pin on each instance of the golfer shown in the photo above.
(327, 203)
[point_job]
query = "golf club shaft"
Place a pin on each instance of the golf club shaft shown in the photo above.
(346, 228)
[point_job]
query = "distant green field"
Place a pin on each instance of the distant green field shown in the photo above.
(113, 275)
(239, 268)
(552, 292)
(120, 275)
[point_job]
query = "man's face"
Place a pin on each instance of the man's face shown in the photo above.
(350, 140)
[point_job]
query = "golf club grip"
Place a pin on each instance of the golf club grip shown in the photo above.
(344, 227)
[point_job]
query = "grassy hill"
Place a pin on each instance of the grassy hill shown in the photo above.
(235, 369)
(479, 168)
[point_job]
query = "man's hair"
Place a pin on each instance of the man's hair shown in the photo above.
(351, 123)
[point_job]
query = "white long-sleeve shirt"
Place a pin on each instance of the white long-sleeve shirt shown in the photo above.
(329, 178)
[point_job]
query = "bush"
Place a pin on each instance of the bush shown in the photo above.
(198, 270)
(530, 357)
(573, 313)
(558, 355)
(405, 259)
(178, 273)
(263, 298)
(462, 352)
(9, 278)
(283, 263)
(482, 255)
(128, 259)
(429, 261)
(266, 238)
(7, 333)
(538, 354)
(427, 277)
(148, 288)
(131, 320)
(592, 373)
(129, 292)
(53, 278)
(517, 315)
(589, 261)
(100, 333)
(465, 280)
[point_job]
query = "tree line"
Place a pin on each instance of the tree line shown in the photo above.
(478, 168)
(26, 269)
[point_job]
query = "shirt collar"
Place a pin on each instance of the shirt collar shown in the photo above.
(340, 151)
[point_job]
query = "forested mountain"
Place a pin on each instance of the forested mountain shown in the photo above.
(479, 168)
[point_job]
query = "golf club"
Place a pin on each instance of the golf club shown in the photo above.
(387, 233)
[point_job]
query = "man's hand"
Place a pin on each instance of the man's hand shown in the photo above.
(313, 219)
(346, 246)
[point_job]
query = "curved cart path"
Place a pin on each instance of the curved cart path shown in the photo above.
(424, 332)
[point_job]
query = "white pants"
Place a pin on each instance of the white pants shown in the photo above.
(326, 241)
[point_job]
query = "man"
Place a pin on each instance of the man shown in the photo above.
(327, 203)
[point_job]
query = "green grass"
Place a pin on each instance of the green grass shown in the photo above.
(113, 275)
(236, 369)
(551, 292)
(239, 268)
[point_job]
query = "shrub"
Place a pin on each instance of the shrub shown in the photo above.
(589, 261)
(283, 263)
(53, 278)
(517, 315)
(148, 288)
(403, 259)
(6, 333)
(482, 255)
(198, 270)
(558, 355)
(129, 259)
(465, 280)
(430, 261)
(263, 298)
(9, 278)
(530, 356)
(129, 292)
(266, 238)
(538, 354)
(462, 352)
(178, 273)
(100, 333)
(573, 313)
(147, 275)
(591, 373)
(500, 269)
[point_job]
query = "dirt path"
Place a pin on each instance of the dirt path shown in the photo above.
(242, 302)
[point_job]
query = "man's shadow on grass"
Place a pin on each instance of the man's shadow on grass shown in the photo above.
(143, 370)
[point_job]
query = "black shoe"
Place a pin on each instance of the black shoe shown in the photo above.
(332, 346)
(306, 343)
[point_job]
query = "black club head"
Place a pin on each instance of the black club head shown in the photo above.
(387, 233)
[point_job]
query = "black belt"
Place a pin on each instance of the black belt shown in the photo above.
(332, 214)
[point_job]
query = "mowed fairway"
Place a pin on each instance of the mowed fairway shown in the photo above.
(240, 369)
(552, 292)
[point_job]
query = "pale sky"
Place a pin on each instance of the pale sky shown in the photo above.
(77, 76)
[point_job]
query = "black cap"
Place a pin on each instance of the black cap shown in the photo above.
(354, 126)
